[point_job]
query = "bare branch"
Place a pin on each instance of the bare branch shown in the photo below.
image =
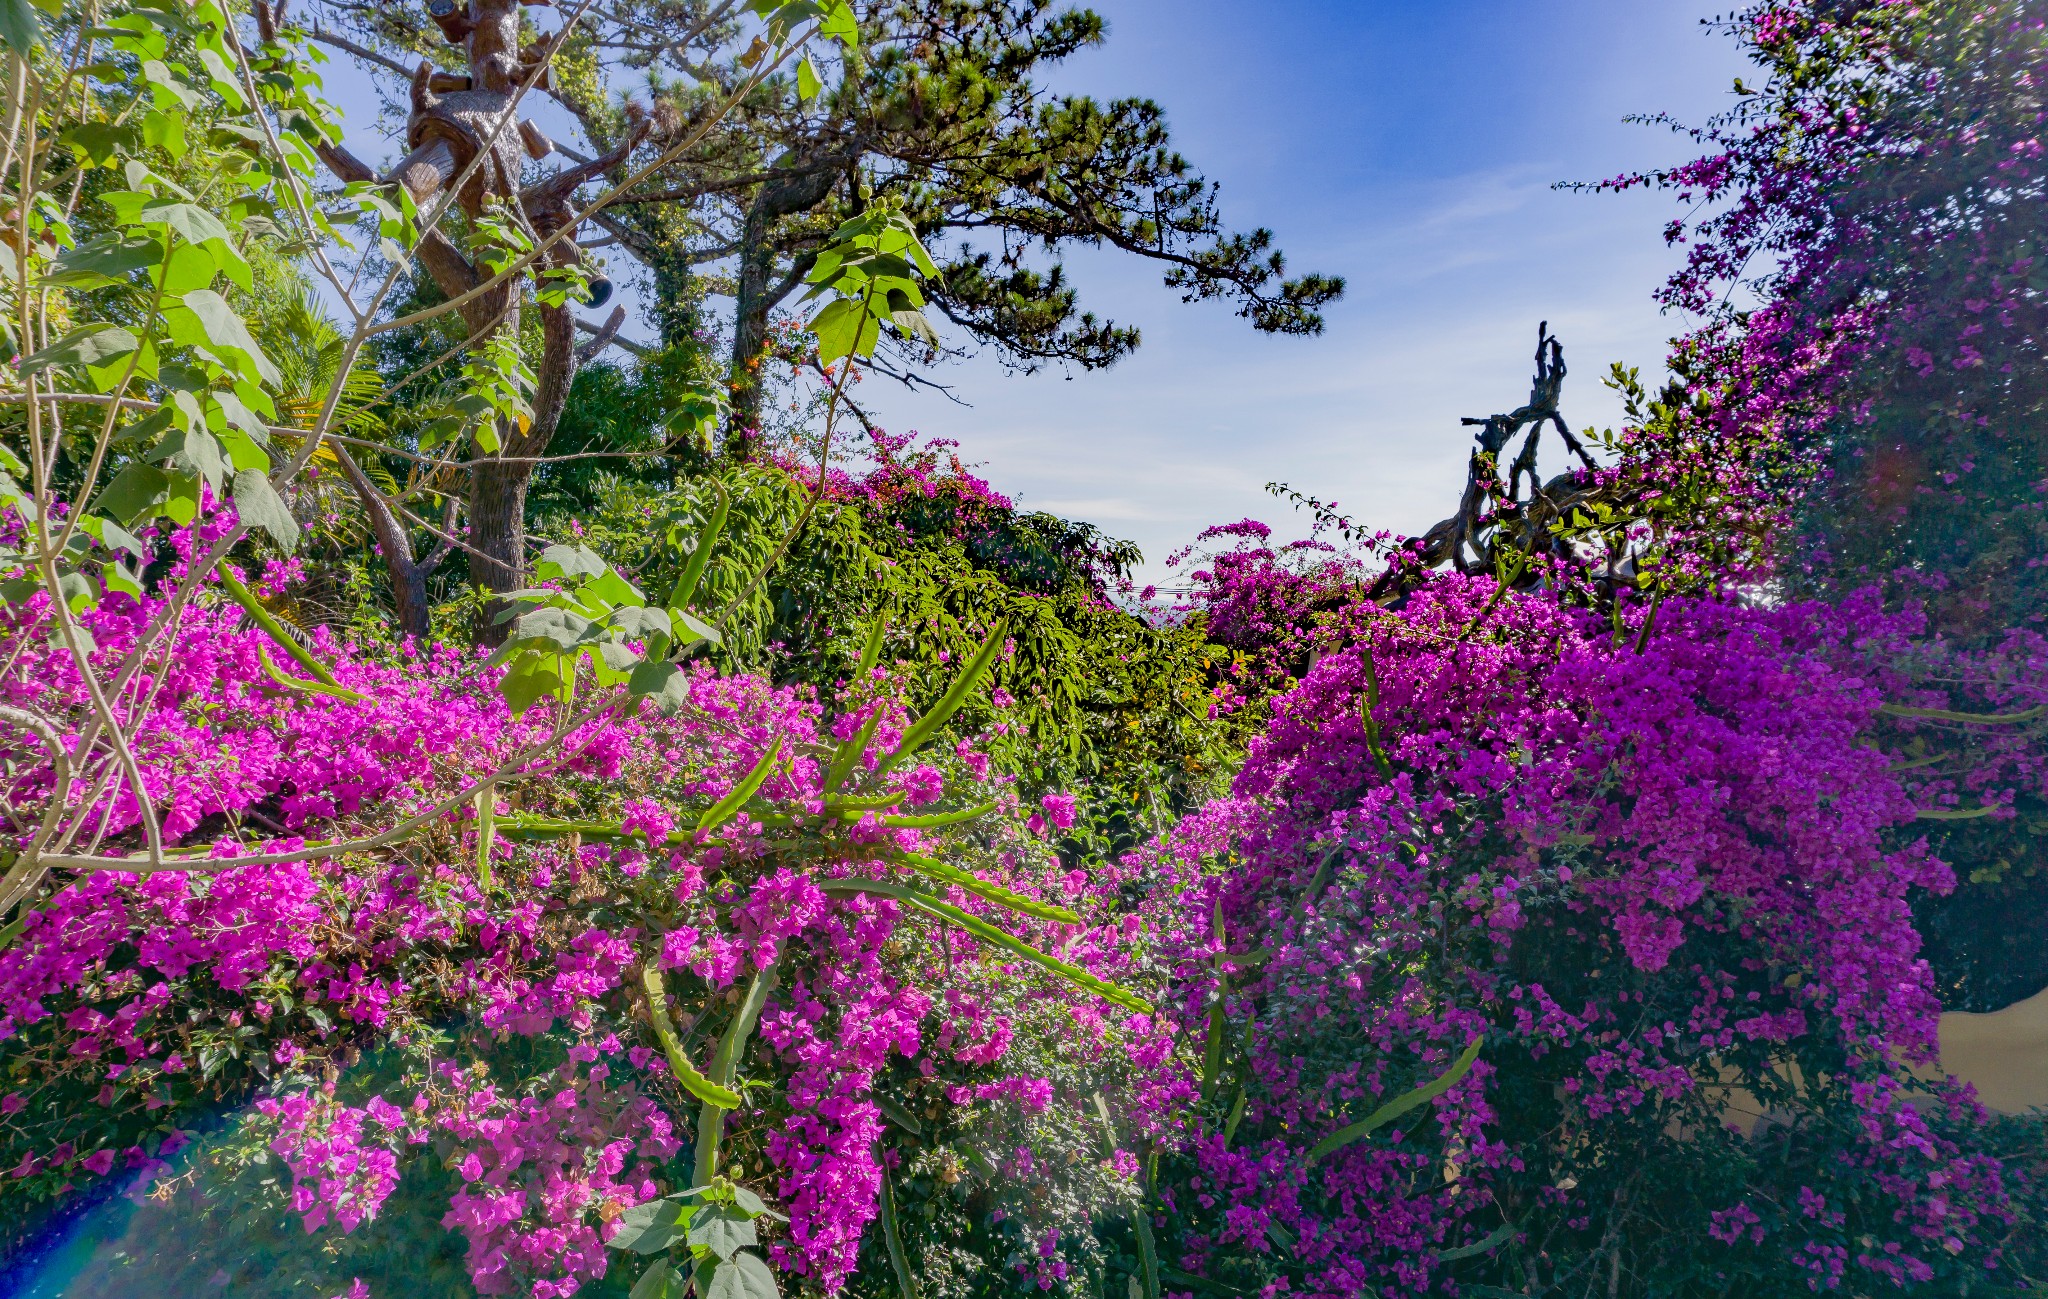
(603, 336)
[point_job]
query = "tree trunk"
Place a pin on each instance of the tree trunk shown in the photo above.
(497, 531)
(497, 492)
(749, 333)
(757, 293)
(408, 576)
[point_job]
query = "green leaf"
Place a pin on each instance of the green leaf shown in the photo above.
(264, 619)
(190, 222)
(845, 327)
(750, 1204)
(871, 653)
(259, 505)
(744, 1276)
(219, 325)
(693, 571)
(728, 807)
(652, 1227)
(1981, 719)
(568, 561)
(186, 269)
(165, 131)
(695, 626)
(103, 261)
(118, 577)
(194, 451)
(94, 344)
(181, 503)
(242, 417)
(13, 590)
(618, 658)
(849, 754)
(1395, 1108)
(613, 590)
(564, 629)
(665, 683)
(636, 622)
(915, 247)
(20, 29)
(242, 451)
(913, 324)
(111, 535)
(654, 1282)
(723, 1230)
(531, 677)
(838, 23)
(807, 82)
(99, 142)
(1499, 1236)
(892, 1237)
(132, 491)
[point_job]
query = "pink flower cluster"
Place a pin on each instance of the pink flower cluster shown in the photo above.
(129, 1003)
(1639, 877)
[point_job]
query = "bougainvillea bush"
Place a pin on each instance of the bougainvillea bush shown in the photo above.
(1660, 885)
(472, 1009)
(1862, 237)
(756, 917)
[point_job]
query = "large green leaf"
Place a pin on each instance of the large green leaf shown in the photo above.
(20, 28)
(203, 316)
(652, 1227)
(723, 1230)
(845, 327)
(95, 344)
(663, 682)
(259, 506)
(201, 228)
(564, 629)
(132, 491)
(531, 677)
(743, 1276)
(103, 261)
(569, 561)
(194, 451)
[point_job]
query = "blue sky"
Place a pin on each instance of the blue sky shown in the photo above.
(1409, 147)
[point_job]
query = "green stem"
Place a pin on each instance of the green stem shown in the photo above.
(711, 1118)
(486, 833)
(264, 619)
(672, 1046)
(906, 1284)
(1372, 704)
